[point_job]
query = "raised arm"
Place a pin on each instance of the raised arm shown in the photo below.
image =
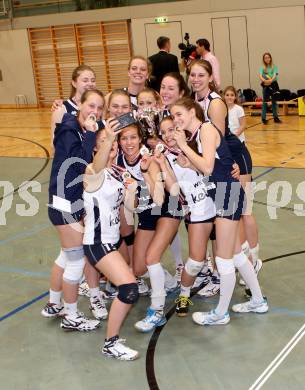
(209, 138)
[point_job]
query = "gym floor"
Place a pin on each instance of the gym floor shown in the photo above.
(251, 352)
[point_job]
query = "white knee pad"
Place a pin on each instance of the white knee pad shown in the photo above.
(192, 267)
(61, 260)
(74, 265)
(224, 266)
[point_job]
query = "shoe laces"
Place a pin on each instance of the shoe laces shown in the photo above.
(98, 303)
(183, 301)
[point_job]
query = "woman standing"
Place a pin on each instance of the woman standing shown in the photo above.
(249, 229)
(74, 141)
(268, 74)
(104, 193)
(208, 152)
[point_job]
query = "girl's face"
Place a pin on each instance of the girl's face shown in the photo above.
(169, 91)
(182, 117)
(94, 104)
(167, 130)
(85, 81)
(119, 105)
(138, 71)
(146, 100)
(199, 78)
(130, 141)
(230, 97)
(100, 138)
(267, 59)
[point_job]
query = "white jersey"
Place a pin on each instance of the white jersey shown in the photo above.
(194, 186)
(145, 201)
(102, 211)
(235, 113)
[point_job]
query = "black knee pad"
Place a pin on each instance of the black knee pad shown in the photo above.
(129, 240)
(128, 293)
(213, 233)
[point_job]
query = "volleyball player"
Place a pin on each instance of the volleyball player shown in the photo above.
(74, 141)
(249, 229)
(103, 195)
(201, 211)
(210, 155)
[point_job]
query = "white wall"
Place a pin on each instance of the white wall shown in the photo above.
(278, 30)
(16, 67)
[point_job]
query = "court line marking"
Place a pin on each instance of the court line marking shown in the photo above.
(278, 359)
(150, 365)
(41, 169)
(24, 306)
(24, 272)
(28, 233)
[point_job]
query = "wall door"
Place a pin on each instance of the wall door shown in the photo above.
(230, 45)
(153, 31)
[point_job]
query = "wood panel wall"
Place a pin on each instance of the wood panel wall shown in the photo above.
(57, 50)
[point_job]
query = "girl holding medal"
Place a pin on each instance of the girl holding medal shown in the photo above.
(74, 141)
(151, 100)
(210, 154)
(105, 190)
(201, 211)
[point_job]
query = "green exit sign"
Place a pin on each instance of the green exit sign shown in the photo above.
(161, 19)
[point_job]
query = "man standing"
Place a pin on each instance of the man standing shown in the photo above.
(162, 62)
(203, 49)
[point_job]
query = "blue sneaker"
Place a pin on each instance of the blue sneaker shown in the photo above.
(153, 319)
(210, 318)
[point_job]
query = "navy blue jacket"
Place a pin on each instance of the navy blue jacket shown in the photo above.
(73, 152)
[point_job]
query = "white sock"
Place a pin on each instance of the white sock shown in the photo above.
(169, 278)
(226, 271)
(254, 254)
(176, 249)
(70, 308)
(246, 248)
(185, 291)
(157, 280)
(246, 270)
(94, 292)
(55, 297)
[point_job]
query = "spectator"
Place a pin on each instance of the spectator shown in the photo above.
(203, 49)
(268, 75)
(162, 62)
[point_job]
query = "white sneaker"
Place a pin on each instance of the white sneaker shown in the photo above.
(78, 322)
(152, 320)
(83, 289)
(142, 286)
(202, 279)
(251, 306)
(98, 308)
(178, 273)
(210, 318)
(116, 349)
(211, 289)
(110, 291)
(52, 310)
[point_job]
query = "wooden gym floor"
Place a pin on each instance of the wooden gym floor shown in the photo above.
(252, 352)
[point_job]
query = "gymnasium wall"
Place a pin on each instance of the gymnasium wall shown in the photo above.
(272, 25)
(278, 30)
(16, 67)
